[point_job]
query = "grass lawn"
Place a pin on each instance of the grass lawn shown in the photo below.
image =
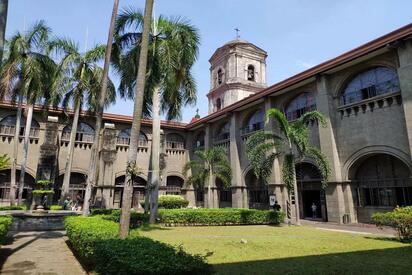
(289, 250)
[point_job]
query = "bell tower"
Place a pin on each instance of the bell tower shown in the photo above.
(237, 70)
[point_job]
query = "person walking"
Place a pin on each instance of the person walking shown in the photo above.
(314, 208)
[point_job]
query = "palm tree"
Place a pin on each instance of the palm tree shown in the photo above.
(80, 86)
(295, 138)
(173, 49)
(26, 73)
(3, 23)
(4, 162)
(139, 88)
(212, 163)
(93, 169)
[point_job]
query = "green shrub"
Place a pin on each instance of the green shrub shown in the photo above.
(5, 223)
(399, 218)
(96, 241)
(15, 207)
(219, 216)
(136, 218)
(170, 202)
(101, 211)
(56, 207)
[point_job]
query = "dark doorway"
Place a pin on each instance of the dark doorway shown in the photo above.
(310, 197)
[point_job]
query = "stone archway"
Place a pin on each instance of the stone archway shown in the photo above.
(5, 179)
(139, 191)
(382, 182)
(257, 192)
(77, 186)
(310, 192)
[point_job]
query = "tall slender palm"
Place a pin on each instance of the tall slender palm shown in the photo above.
(25, 74)
(80, 86)
(93, 168)
(138, 88)
(4, 4)
(173, 49)
(211, 164)
(295, 138)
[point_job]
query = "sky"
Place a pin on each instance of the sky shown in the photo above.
(297, 34)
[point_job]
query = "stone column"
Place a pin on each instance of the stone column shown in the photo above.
(237, 184)
(188, 190)
(334, 198)
(105, 189)
(47, 165)
(208, 145)
(405, 81)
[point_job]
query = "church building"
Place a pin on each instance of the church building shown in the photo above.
(365, 95)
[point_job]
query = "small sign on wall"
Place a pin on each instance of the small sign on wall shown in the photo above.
(272, 199)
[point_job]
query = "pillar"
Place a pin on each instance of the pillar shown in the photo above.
(188, 190)
(237, 183)
(334, 196)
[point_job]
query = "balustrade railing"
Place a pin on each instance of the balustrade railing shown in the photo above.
(81, 137)
(8, 130)
(252, 128)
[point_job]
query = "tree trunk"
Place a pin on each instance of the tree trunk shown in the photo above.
(137, 115)
(295, 188)
(95, 152)
(209, 189)
(3, 23)
(13, 185)
(155, 156)
(25, 151)
(69, 157)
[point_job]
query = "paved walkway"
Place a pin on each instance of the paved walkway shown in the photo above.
(38, 253)
(359, 228)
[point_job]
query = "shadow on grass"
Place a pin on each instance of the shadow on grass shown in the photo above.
(151, 227)
(382, 261)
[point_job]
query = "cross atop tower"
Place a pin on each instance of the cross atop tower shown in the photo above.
(237, 33)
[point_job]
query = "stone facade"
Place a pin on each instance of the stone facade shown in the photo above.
(365, 95)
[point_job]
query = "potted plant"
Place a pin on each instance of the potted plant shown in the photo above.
(41, 195)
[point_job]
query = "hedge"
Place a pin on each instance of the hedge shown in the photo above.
(14, 207)
(95, 240)
(56, 207)
(170, 202)
(399, 218)
(5, 223)
(219, 216)
(136, 218)
(101, 211)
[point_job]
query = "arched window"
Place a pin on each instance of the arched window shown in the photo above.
(199, 140)
(254, 122)
(218, 104)
(123, 138)
(305, 102)
(8, 125)
(371, 83)
(219, 76)
(84, 133)
(223, 132)
(257, 192)
(251, 73)
(174, 185)
(175, 141)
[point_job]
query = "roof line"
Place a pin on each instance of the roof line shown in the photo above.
(322, 67)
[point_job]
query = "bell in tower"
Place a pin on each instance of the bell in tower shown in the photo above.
(237, 70)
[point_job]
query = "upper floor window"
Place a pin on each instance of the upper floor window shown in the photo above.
(199, 140)
(223, 132)
(251, 73)
(8, 126)
(218, 104)
(305, 102)
(371, 83)
(123, 138)
(175, 141)
(84, 133)
(219, 76)
(255, 122)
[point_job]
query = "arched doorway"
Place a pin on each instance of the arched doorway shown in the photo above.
(224, 194)
(310, 192)
(5, 179)
(382, 182)
(139, 191)
(77, 187)
(257, 191)
(174, 185)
